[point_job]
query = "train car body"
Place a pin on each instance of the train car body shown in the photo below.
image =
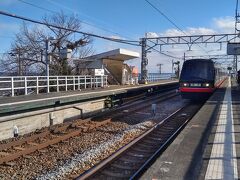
(199, 78)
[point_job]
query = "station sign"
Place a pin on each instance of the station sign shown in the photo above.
(99, 72)
(233, 48)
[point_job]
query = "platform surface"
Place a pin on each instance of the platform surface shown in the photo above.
(209, 146)
(9, 104)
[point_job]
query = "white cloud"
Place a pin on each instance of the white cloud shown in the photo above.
(188, 31)
(218, 25)
(116, 37)
(200, 31)
(224, 24)
(151, 35)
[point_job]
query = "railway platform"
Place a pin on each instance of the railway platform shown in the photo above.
(33, 101)
(208, 147)
(35, 111)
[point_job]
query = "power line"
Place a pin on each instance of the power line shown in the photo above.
(158, 10)
(170, 56)
(130, 42)
(160, 52)
(36, 6)
(173, 23)
(84, 22)
(100, 22)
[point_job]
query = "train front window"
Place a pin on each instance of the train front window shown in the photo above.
(198, 70)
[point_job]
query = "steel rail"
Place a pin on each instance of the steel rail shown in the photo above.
(80, 127)
(132, 107)
(93, 171)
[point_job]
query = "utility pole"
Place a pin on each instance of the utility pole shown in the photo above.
(47, 63)
(144, 75)
(237, 21)
(17, 54)
(160, 68)
(46, 57)
(19, 62)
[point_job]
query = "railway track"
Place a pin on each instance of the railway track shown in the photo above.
(18, 151)
(130, 108)
(59, 133)
(54, 135)
(131, 161)
(48, 137)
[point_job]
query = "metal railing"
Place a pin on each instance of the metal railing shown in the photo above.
(155, 77)
(24, 85)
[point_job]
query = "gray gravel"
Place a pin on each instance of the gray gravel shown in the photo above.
(80, 161)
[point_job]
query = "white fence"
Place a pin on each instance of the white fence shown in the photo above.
(23, 85)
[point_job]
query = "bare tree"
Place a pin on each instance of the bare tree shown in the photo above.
(27, 51)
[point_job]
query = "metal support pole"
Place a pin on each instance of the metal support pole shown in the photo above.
(236, 58)
(37, 85)
(102, 79)
(144, 72)
(106, 81)
(91, 81)
(47, 63)
(74, 88)
(66, 83)
(46, 57)
(12, 86)
(25, 85)
(160, 68)
(78, 83)
(236, 31)
(19, 63)
(48, 89)
(178, 69)
(57, 84)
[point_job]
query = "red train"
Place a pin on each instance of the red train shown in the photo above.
(199, 78)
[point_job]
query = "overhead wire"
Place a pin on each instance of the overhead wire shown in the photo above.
(165, 53)
(103, 23)
(84, 22)
(130, 42)
(159, 11)
(168, 19)
(36, 6)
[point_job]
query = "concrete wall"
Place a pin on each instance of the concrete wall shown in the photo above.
(29, 122)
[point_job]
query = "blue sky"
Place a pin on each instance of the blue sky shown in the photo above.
(129, 19)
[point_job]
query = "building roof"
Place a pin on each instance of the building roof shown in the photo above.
(116, 54)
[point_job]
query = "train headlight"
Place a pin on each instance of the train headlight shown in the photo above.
(206, 85)
(185, 84)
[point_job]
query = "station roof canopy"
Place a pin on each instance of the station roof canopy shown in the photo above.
(116, 54)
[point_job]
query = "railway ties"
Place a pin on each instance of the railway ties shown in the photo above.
(48, 138)
(127, 165)
(58, 155)
(131, 160)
